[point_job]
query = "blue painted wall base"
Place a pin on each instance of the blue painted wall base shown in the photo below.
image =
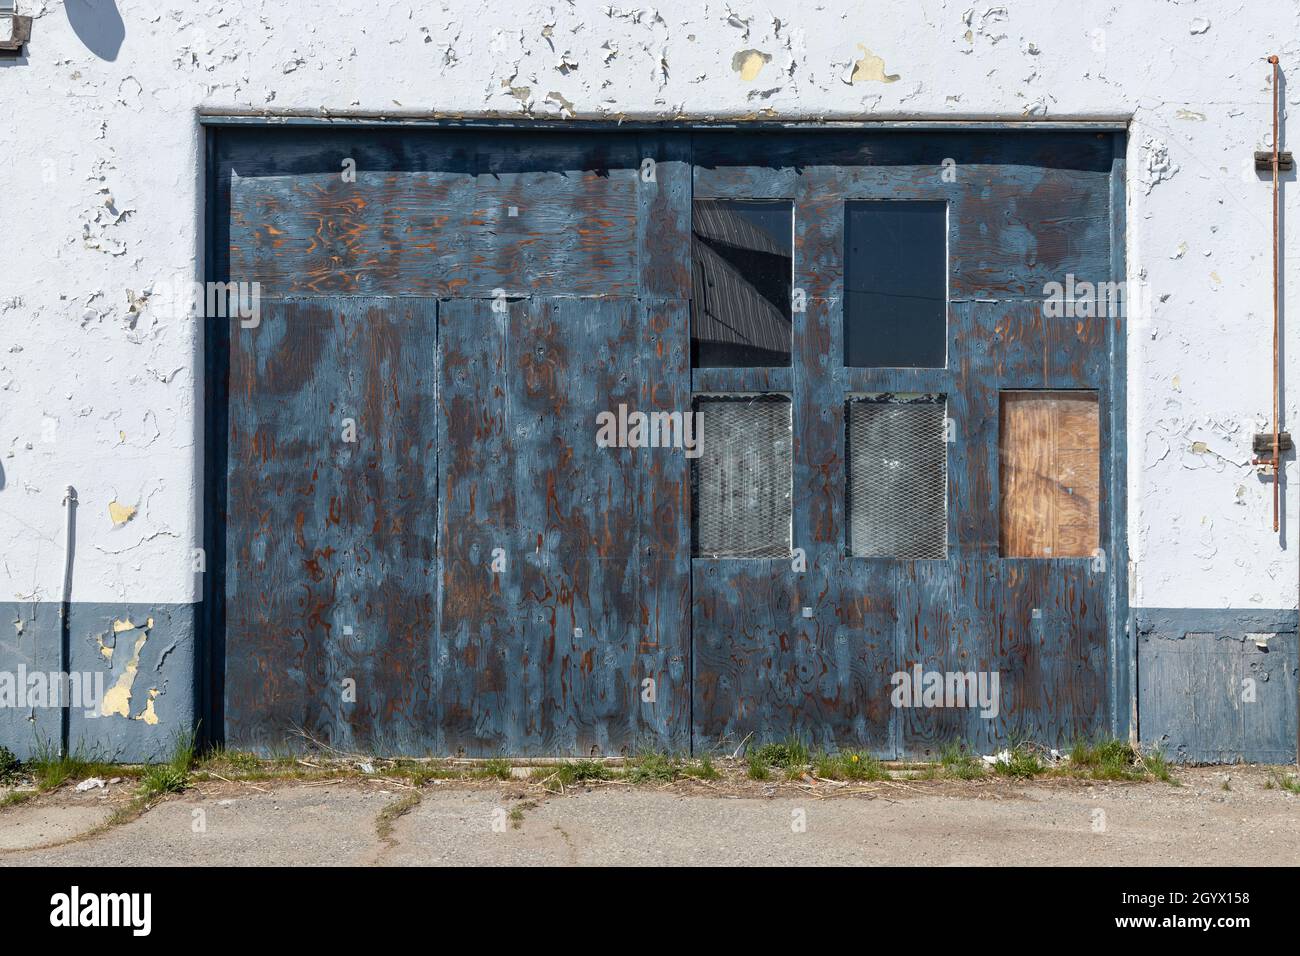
(1218, 685)
(144, 655)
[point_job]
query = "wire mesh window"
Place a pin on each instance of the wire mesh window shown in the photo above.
(897, 464)
(742, 482)
(743, 268)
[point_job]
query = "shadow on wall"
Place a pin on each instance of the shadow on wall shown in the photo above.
(98, 25)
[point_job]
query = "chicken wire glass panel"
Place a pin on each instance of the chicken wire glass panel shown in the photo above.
(897, 477)
(742, 481)
(743, 255)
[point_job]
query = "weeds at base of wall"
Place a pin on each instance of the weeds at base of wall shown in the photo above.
(1284, 781)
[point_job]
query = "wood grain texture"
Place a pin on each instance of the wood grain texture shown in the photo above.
(330, 570)
(485, 440)
(1050, 470)
(1023, 211)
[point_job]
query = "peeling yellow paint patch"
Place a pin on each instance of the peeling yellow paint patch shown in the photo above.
(749, 63)
(120, 513)
(120, 626)
(149, 715)
(117, 699)
(871, 68)
(104, 649)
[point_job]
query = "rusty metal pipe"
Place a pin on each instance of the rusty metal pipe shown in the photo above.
(1277, 407)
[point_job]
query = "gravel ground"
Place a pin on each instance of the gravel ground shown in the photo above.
(932, 823)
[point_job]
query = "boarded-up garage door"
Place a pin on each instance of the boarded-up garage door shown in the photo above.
(425, 548)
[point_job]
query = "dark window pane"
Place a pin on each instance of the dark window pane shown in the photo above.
(897, 477)
(742, 481)
(744, 266)
(896, 285)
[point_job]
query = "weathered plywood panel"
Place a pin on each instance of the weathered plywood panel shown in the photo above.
(1218, 685)
(1050, 474)
(548, 650)
(330, 564)
(447, 213)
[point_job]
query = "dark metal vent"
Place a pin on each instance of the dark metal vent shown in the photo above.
(897, 477)
(741, 482)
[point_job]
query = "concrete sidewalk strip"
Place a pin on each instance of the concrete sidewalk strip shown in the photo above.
(1220, 816)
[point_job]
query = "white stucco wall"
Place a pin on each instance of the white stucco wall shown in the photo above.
(100, 159)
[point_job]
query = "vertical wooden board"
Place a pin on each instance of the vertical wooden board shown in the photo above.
(1076, 620)
(1027, 454)
(948, 624)
(478, 638)
(663, 536)
(327, 535)
(577, 519)
(1058, 661)
(865, 600)
(972, 455)
(663, 220)
(745, 639)
(583, 612)
(819, 439)
(662, 378)
(1025, 672)
(762, 668)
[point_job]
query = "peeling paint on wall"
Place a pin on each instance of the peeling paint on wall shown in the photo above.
(120, 514)
(748, 63)
(117, 699)
(871, 68)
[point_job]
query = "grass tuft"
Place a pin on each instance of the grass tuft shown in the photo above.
(1022, 763)
(14, 797)
(1288, 782)
(174, 775)
(956, 763)
(848, 765)
(494, 769)
(388, 816)
(1106, 759)
(653, 766)
(51, 769)
(789, 754)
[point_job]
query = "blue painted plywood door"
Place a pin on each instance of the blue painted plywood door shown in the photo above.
(564, 585)
(524, 590)
(812, 645)
(330, 571)
(516, 284)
